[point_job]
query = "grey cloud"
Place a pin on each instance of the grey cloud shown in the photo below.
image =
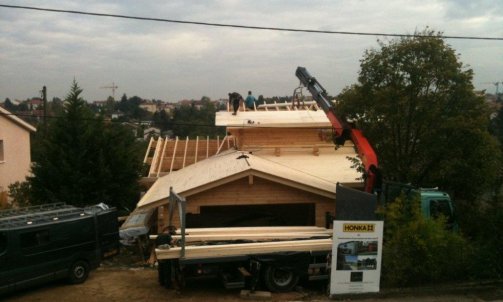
(175, 61)
(459, 9)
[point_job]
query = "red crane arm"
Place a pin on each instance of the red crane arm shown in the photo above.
(341, 129)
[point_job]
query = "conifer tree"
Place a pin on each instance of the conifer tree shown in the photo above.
(81, 160)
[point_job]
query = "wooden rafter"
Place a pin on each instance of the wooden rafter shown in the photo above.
(174, 155)
(155, 159)
(197, 149)
(185, 151)
(148, 150)
(162, 156)
(208, 146)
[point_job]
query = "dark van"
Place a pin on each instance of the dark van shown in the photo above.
(54, 241)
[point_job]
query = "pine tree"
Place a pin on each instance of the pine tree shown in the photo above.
(81, 160)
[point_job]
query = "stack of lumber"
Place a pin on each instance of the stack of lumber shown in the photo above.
(200, 243)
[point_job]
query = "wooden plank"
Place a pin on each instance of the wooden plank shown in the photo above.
(162, 156)
(155, 159)
(255, 230)
(222, 144)
(185, 151)
(174, 155)
(148, 149)
(227, 250)
(251, 236)
(197, 149)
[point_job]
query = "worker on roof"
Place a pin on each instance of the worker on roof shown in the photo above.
(235, 99)
(250, 101)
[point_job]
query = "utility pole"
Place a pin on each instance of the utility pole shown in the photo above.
(113, 87)
(497, 84)
(44, 100)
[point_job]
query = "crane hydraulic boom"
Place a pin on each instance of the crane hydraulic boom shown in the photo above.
(342, 131)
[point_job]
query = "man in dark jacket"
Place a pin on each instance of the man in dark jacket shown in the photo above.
(235, 99)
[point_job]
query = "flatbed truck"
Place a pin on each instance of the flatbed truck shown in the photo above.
(239, 257)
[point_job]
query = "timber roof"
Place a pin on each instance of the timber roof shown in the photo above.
(290, 119)
(232, 165)
(16, 120)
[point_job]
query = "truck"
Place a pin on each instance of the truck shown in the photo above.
(241, 256)
(53, 241)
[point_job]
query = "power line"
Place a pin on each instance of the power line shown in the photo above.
(241, 26)
(21, 115)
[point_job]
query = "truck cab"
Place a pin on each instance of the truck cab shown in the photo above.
(434, 203)
(354, 204)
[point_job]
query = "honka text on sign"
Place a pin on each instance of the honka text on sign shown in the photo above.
(358, 227)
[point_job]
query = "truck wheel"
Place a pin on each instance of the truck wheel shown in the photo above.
(78, 272)
(277, 279)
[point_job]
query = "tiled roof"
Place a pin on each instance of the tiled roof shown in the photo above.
(16, 120)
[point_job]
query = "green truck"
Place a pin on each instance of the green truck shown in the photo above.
(434, 202)
(54, 241)
(353, 204)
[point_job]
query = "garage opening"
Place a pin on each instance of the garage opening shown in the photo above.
(254, 215)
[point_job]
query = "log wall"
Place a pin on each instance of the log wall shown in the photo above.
(256, 191)
(280, 136)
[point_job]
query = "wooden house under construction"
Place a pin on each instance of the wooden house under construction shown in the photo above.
(277, 166)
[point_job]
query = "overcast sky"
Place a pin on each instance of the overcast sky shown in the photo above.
(168, 61)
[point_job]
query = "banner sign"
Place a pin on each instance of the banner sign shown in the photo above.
(356, 257)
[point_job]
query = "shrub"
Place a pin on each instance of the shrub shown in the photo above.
(485, 225)
(20, 193)
(419, 250)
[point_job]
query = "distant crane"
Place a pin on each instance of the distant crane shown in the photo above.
(113, 87)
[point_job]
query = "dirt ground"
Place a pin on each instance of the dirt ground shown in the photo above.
(140, 284)
(115, 281)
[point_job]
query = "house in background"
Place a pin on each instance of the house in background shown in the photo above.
(148, 106)
(15, 159)
(151, 132)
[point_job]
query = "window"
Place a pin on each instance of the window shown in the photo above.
(1, 151)
(35, 238)
(441, 208)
